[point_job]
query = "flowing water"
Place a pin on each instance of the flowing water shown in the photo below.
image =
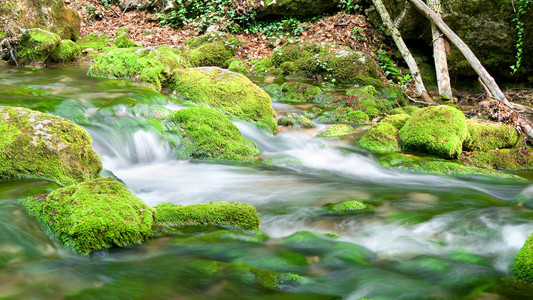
(429, 237)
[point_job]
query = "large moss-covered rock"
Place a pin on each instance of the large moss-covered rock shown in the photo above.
(487, 27)
(213, 49)
(93, 216)
(506, 159)
(65, 52)
(231, 93)
(294, 7)
(382, 137)
(36, 45)
(485, 135)
(207, 134)
(38, 145)
(437, 130)
(52, 15)
(95, 40)
(225, 214)
(523, 262)
(331, 62)
(152, 65)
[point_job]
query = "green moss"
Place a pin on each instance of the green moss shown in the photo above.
(299, 92)
(410, 110)
(437, 130)
(295, 120)
(260, 67)
(347, 207)
(65, 52)
(95, 40)
(267, 279)
(153, 66)
(36, 45)
(382, 137)
(207, 134)
(398, 121)
(338, 130)
(395, 96)
(231, 93)
(38, 145)
(238, 66)
(523, 262)
(363, 99)
(123, 39)
(93, 216)
(212, 49)
(507, 159)
(397, 111)
(225, 214)
(484, 136)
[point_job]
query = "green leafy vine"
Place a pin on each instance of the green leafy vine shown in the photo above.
(521, 9)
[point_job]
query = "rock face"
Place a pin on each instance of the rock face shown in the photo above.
(437, 130)
(294, 7)
(485, 26)
(226, 214)
(38, 145)
(36, 45)
(93, 216)
(52, 15)
(231, 93)
(208, 134)
(152, 65)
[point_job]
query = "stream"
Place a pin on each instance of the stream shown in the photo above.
(429, 237)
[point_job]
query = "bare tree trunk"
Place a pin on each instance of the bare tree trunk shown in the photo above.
(439, 54)
(396, 36)
(488, 80)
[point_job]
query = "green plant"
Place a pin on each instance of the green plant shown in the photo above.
(350, 6)
(358, 34)
(521, 9)
(393, 73)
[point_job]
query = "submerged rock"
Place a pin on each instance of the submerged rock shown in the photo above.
(231, 93)
(523, 262)
(93, 216)
(208, 134)
(437, 130)
(347, 207)
(485, 135)
(36, 45)
(216, 214)
(38, 145)
(152, 65)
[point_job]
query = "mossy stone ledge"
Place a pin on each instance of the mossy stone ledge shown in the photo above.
(36, 45)
(505, 159)
(207, 134)
(93, 216)
(523, 262)
(39, 145)
(436, 130)
(152, 65)
(214, 214)
(231, 93)
(484, 135)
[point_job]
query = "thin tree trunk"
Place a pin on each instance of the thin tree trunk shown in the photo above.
(439, 54)
(474, 62)
(396, 36)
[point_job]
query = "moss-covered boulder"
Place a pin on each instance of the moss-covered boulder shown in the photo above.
(299, 92)
(398, 121)
(208, 134)
(484, 135)
(51, 15)
(95, 40)
(36, 45)
(506, 159)
(66, 51)
(38, 145)
(331, 62)
(231, 93)
(215, 214)
(123, 39)
(239, 66)
(295, 120)
(93, 216)
(436, 130)
(337, 131)
(213, 49)
(347, 207)
(382, 137)
(523, 262)
(153, 65)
